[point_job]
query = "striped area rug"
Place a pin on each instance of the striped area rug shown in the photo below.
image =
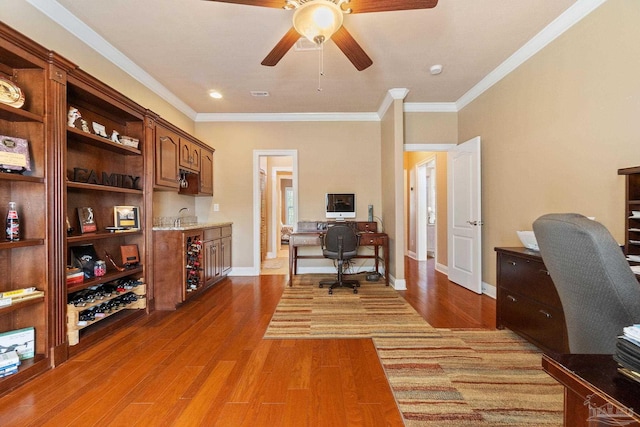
(439, 377)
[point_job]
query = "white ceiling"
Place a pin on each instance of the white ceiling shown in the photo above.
(190, 47)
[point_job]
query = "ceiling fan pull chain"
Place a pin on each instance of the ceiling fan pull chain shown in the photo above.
(321, 67)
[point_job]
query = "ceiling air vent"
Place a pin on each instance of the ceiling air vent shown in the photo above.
(259, 93)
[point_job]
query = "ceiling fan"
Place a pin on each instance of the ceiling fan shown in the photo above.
(321, 20)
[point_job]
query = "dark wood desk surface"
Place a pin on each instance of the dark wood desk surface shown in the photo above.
(595, 393)
(374, 239)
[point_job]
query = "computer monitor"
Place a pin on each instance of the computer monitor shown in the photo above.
(340, 205)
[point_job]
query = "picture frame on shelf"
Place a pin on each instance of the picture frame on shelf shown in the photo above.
(14, 154)
(87, 220)
(99, 130)
(127, 217)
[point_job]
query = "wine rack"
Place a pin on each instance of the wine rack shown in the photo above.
(193, 279)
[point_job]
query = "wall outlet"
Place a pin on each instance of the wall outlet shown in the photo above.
(216, 207)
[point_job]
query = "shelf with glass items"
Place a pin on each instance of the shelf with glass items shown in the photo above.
(97, 303)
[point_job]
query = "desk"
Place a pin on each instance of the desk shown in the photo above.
(595, 394)
(377, 240)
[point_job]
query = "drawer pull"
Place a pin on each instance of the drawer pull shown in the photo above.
(512, 262)
(545, 314)
(545, 272)
(512, 298)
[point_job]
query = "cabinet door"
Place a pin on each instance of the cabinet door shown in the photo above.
(210, 261)
(186, 155)
(206, 172)
(166, 155)
(195, 157)
(225, 255)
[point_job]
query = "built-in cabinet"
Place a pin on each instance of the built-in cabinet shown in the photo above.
(527, 300)
(182, 162)
(102, 173)
(632, 213)
(189, 155)
(25, 65)
(90, 149)
(188, 261)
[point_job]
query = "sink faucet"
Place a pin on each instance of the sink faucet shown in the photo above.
(176, 223)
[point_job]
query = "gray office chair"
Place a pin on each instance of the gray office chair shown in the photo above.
(340, 243)
(599, 293)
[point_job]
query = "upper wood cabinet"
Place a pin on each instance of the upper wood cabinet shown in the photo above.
(189, 155)
(178, 156)
(166, 158)
(206, 172)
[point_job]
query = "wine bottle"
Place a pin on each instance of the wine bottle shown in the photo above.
(13, 223)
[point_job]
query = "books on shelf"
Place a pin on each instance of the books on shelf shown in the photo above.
(20, 341)
(10, 297)
(628, 353)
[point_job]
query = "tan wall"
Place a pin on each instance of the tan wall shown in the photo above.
(431, 128)
(556, 130)
(332, 157)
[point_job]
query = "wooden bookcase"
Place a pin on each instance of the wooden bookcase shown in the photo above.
(632, 221)
(72, 168)
(101, 174)
(25, 64)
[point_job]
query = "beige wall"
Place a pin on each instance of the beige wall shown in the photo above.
(556, 130)
(431, 128)
(332, 157)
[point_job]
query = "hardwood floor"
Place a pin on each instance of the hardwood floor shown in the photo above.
(443, 303)
(207, 365)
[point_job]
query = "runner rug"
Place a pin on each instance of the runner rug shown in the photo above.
(439, 377)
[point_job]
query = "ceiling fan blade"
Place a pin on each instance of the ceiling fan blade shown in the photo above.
(366, 6)
(281, 48)
(350, 47)
(265, 3)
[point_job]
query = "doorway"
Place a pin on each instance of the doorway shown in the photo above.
(275, 203)
(426, 189)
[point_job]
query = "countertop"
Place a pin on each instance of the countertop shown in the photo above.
(193, 226)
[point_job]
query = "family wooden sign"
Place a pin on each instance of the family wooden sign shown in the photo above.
(89, 176)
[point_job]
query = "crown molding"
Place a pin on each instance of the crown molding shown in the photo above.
(57, 13)
(558, 26)
(430, 107)
(287, 117)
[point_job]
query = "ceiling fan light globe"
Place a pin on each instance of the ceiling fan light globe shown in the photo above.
(317, 20)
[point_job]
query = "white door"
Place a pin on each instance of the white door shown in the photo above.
(464, 215)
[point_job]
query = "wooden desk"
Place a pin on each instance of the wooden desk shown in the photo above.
(377, 240)
(595, 393)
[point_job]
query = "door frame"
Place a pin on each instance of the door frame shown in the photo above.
(257, 154)
(435, 148)
(275, 208)
(426, 168)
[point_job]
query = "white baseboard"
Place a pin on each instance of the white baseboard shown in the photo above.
(489, 290)
(271, 255)
(442, 269)
(398, 284)
(412, 255)
(244, 271)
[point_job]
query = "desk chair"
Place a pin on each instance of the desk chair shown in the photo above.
(600, 295)
(340, 243)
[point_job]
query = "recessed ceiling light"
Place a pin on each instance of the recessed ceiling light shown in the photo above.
(215, 94)
(435, 69)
